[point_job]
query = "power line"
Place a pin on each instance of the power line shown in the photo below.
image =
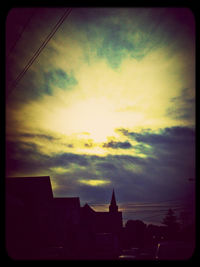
(162, 201)
(22, 31)
(37, 53)
(165, 203)
(159, 213)
(155, 215)
(165, 209)
(39, 50)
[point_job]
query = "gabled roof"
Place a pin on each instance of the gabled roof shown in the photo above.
(29, 189)
(87, 208)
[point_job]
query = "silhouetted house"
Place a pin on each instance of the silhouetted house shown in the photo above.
(36, 221)
(65, 220)
(88, 216)
(27, 205)
(103, 222)
(105, 227)
(110, 222)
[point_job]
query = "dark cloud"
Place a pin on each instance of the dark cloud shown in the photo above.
(37, 84)
(24, 157)
(173, 150)
(89, 143)
(112, 33)
(41, 136)
(27, 91)
(70, 145)
(131, 184)
(114, 45)
(65, 159)
(149, 28)
(162, 175)
(167, 136)
(170, 155)
(116, 145)
(106, 166)
(94, 194)
(183, 106)
(59, 78)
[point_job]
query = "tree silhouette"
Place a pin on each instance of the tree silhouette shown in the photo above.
(135, 232)
(170, 220)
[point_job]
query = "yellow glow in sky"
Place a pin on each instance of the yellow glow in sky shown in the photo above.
(136, 95)
(94, 182)
(109, 102)
(59, 170)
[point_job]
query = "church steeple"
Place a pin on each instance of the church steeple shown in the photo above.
(113, 206)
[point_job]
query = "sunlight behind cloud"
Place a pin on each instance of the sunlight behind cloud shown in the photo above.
(59, 170)
(109, 103)
(94, 182)
(135, 96)
(95, 116)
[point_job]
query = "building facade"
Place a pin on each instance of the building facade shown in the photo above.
(36, 222)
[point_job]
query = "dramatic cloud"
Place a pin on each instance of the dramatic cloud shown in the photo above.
(186, 106)
(115, 145)
(167, 136)
(137, 176)
(58, 78)
(109, 102)
(40, 136)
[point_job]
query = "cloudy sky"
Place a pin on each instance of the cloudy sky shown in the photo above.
(108, 103)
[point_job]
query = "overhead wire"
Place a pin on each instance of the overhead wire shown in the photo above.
(39, 50)
(22, 31)
(156, 202)
(159, 215)
(160, 212)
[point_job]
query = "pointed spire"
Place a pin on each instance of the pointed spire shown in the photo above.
(113, 201)
(113, 206)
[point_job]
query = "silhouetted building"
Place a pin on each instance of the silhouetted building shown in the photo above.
(105, 227)
(65, 219)
(27, 209)
(103, 222)
(36, 221)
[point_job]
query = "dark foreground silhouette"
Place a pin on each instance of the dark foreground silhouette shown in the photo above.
(39, 226)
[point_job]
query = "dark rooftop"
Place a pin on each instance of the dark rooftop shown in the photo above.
(29, 188)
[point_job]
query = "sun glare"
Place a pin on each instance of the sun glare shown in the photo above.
(94, 116)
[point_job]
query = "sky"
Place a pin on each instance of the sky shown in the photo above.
(108, 103)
